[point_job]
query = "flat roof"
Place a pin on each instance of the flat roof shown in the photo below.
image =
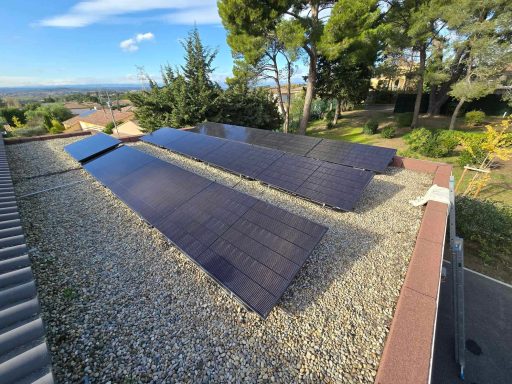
(121, 302)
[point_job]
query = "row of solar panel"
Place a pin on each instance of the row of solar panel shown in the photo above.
(330, 184)
(334, 151)
(251, 248)
(24, 355)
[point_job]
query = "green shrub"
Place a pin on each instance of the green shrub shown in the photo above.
(329, 125)
(29, 131)
(388, 132)
(57, 127)
(474, 118)
(109, 128)
(408, 153)
(371, 127)
(472, 154)
(435, 143)
(329, 115)
(404, 119)
(488, 224)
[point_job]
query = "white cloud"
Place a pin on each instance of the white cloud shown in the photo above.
(131, 45)
(208, 15)
(94, 11)
(144, 36)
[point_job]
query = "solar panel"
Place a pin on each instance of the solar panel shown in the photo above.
(251, 248)
(355, 155)
(231, 132)
(334, 185)
(92, 146)
(299, 145)
(329, 184)
(163, 136)
(243, 159)
(193, 145)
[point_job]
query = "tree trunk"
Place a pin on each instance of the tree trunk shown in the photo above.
(336, 112)
(310, 88)
(419, 93)
(280, 96)
(431, 100)
(289, 100)
(308, 99)
(456, 113)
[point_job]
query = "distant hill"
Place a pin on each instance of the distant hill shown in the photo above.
(31, 92)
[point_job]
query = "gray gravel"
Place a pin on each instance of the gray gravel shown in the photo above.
(122, 305)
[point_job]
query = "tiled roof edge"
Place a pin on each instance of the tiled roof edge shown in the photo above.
(24, 354)
(20, 140)
(408, 351)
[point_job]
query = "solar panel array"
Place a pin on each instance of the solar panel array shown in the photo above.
(250, 247)
(24, 354)
(355, 155)
(95, 145)
(326, 183)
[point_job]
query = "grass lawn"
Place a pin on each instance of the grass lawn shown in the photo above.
(350, 128)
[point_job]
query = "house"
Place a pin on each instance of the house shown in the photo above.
(128, 128)
(96, 121)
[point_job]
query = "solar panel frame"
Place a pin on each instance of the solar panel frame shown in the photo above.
(372, 158)
(91, 147)
(235, 238)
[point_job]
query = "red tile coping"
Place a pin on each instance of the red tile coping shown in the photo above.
(408, 352)
(19, 140)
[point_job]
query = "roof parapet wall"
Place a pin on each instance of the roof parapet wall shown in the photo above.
(408, 351)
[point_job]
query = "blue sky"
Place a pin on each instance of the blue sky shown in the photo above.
(61, 42)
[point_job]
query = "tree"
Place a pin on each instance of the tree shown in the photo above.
(42, 115)
(485, 29)
(443, 69)
(187, 95)
(301, 26)
(8, 113)
(415, 24)
(243, 104)
(344, 80)
(350, 45)
(200, 90)
(155, 106)
(262, 58)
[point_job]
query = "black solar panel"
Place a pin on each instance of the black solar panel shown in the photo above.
(163, 136)
(250, 247)
(193, 145)
(355, 155)
(330, 184)
(300, 145)
(94, 145)
(246, 160)
(231, 132)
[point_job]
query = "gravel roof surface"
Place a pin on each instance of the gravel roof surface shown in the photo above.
(122, 305)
